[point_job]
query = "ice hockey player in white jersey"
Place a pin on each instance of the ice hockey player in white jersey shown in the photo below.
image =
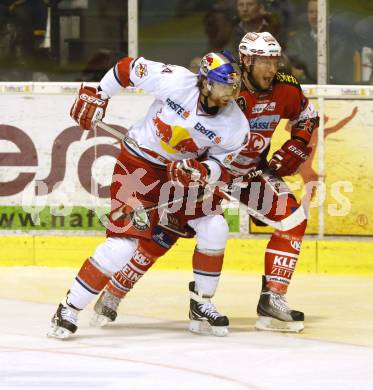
(193, 116)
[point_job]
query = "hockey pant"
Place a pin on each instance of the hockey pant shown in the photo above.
(134, 257)
(207, 257)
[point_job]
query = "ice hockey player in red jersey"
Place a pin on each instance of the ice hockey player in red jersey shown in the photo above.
(192, 117)
(266, 97)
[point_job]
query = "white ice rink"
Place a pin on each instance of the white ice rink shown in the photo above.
(155, 351)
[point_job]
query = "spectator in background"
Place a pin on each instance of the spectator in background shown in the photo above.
(8, 43)
(23, 22)
(284, 12)
(299, 69)
(252, 16)
(364, 34)
(218, 26)
(7, 33)
(30, 18)
(302, 48)
(99, 63)
(342, 48)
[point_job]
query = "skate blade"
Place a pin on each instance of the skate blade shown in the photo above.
(203, 327)
(57, 332)
(275, 325)
(99, 320)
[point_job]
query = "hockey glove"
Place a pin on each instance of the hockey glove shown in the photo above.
(287, 160)
(187, 173)
(89, 107)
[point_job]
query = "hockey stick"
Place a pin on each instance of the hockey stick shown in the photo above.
(117, 134)
(109, 129)
(285, 224)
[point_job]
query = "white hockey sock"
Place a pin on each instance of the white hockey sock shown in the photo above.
(206, 285)
(79, 296)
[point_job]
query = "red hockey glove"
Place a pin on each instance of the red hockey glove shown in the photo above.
(287, 160)
(187, 173)
(88, 107)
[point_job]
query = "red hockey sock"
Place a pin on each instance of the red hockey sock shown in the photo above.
(206, 270)
(91, 277)
(281, 257)
(123, 281)
(145, 256)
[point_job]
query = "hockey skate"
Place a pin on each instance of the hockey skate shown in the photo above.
(274, 313)
(204, 318)
(105, 309)
(64, 321)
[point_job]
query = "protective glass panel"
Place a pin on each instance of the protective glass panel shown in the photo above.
(350, 44)
(181, 32)
(61, 40)
(301, 48)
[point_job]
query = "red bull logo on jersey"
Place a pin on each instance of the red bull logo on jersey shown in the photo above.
(141, 70)
(174, 139)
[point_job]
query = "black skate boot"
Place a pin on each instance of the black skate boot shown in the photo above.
(274, 313)
(64, 321)
(105, 309)
(204, 318)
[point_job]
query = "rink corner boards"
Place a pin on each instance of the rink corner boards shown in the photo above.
(350, 257)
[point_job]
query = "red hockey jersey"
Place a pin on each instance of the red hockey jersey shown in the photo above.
(264, 110)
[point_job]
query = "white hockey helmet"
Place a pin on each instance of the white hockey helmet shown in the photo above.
(259, 44)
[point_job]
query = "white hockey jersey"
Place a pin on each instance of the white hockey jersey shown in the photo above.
(175, 127)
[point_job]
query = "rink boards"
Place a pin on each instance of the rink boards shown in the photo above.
(324, 257)
(39, 143)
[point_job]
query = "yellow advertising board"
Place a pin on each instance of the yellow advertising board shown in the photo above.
(348, 169)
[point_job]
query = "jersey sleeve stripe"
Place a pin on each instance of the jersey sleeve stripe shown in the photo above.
(122, 71)
(116, 75)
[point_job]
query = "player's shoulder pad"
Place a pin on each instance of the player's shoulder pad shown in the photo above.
(286, 78)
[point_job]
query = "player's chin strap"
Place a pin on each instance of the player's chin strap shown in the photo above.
(285, 224)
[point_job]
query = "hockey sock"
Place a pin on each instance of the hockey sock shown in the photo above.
(145, 256)
(281, 257)
(123, 281)
(207, 267)
(90, 280)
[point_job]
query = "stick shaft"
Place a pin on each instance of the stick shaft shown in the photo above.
(109, 130)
